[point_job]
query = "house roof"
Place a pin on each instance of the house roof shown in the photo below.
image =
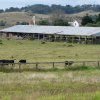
(62, 30)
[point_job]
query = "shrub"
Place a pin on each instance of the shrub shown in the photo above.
(1, 42)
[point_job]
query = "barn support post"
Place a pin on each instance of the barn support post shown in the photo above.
(79, 40)
(49, 37)
(85, 39)
(33, 36)
(43, 36)
(38, 36)
(66, 39)
(55, 37)
(17, 34)
(92, 39)
(72, 39)
(60, 37)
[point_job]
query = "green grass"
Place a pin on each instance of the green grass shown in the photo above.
(57, 85)
(51, 51)
(75, 83)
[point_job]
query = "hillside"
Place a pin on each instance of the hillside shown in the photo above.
(47, 9)
(12, 18)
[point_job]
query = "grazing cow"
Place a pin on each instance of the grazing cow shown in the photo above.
(7, 61)
(22, 61)
(68, 63)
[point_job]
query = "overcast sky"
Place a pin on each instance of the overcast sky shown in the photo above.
(19, 3)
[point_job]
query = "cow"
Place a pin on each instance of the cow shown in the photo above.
(22, 61)
(6, 62)
(68, 63)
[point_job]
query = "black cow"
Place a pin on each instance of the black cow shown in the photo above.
(7, 61)
(68, 63)
(22, 61)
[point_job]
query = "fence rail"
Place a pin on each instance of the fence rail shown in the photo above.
(38, 65)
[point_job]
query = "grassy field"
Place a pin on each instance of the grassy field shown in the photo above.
(50, 51)
(50, 84)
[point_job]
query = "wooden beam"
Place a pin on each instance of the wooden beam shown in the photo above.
(85, 39)
(43, 36)
(72, 39)
(55, 37)
(38, 36)
(92, 39)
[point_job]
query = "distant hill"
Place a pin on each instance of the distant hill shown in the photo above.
(13, 15)
(12, 18)
(46, 9)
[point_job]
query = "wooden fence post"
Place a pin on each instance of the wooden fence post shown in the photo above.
(20, 67)
(36, 66)
(53, 65)
(84, 63)
(12, 65)
(98, 64)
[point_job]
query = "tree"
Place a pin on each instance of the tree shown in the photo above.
(43, 22)
(98, 18)
(60, 22)
(57, 14)
(2, 23)
(22, 23)
(12, 9)
(1, 10)
(58, 18)
(86, 19)
(38, 8)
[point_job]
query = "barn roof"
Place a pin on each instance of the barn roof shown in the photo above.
(64, 30)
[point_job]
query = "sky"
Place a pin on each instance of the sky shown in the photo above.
(21, 3)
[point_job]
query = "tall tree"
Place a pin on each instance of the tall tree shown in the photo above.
(86, 19)
(60, 22)
(58, 18)
(98, 18)
(43, 22)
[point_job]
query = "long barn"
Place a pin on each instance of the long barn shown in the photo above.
(53, 33)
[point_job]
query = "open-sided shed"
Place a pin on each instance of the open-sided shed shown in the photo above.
(54, 33)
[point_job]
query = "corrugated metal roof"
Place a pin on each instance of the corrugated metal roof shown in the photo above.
(64, 30)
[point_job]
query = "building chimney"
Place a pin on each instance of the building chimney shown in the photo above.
(34, 22)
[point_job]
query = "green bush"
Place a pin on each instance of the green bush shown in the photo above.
(2, 23)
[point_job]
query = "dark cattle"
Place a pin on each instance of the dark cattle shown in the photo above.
(7, 61)
(68, 63)
(22, 61)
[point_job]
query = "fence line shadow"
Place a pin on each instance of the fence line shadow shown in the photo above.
(68, 68)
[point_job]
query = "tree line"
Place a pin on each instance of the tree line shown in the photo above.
(91, 20)
(46, 9)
